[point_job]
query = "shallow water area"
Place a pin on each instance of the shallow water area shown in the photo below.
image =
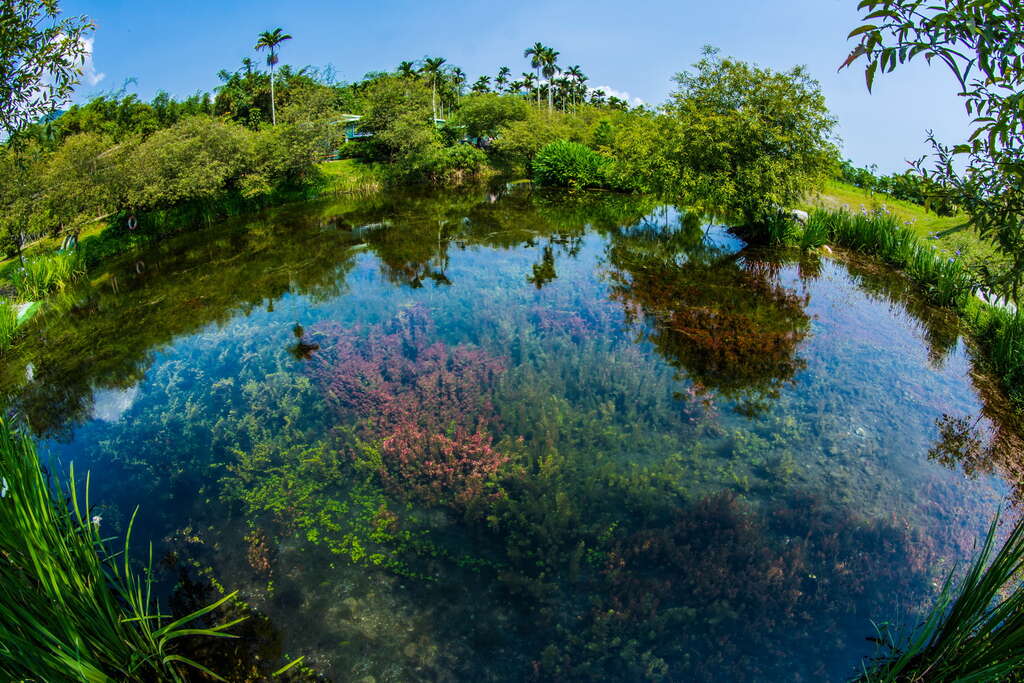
(511, 435)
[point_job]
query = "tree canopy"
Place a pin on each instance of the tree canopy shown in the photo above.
(41, 59)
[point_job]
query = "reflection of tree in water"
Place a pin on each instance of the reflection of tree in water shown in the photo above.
(103, 336)
(722, 318)
(939, 326)
(982, 445)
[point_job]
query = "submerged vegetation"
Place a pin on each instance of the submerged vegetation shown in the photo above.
(411, 484)
(69, 610)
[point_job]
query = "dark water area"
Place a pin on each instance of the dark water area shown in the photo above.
(505, 435)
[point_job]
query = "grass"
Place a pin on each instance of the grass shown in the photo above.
(8, 324)
(946, 279)
(348, 176)
(68, 610)
(954, 233)
(44, 273)
(975, 630)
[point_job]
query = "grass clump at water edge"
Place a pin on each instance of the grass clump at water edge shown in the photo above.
(40, 275)
(68, 609)
(975, 630)
(8, 324)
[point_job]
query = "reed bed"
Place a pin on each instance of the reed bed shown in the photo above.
(975, 630)
(43, 274)
(68, 609)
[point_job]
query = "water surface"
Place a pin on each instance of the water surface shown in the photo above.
(504, 435)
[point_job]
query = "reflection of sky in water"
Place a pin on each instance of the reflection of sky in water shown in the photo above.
(852, 428)
(110, 404)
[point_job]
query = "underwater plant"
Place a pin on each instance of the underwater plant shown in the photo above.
(424, 409)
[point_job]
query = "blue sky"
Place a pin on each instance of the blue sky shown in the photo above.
(631, 47)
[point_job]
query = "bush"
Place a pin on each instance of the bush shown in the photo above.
(456, 163)
(569, 164)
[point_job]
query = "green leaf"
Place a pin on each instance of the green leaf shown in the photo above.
(869, 74)
(861, 30)
(294, 662)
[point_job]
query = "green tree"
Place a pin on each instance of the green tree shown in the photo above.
(483, 114)
(195, 160)
(41, 59)
(536, 53)
(979, 42)
(22, 167)
(399, 114)
(271, 40)
(81, 181)
(749, 139)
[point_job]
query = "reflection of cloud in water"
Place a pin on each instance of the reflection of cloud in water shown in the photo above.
(110, 404)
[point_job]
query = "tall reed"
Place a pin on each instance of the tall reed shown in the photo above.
(975, 630)
(68, 610)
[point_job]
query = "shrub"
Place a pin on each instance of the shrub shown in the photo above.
(569, 164)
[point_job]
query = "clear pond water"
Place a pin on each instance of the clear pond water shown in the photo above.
(505, 435)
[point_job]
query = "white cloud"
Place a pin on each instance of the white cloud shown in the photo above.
(621, 94)
(89, 74)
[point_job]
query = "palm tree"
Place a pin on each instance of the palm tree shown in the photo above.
(247, 64)
(269, 40)
(549, 65)
(528, 80)
(432, 66)
(502, 78)
(406, 69)
(482, 84)
(459, 78)
(576, 74)
(536, 54)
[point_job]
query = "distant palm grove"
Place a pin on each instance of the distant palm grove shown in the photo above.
(747, 139)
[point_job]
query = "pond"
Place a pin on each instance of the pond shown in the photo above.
(508, 435)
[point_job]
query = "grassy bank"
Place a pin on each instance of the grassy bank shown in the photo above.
(950, 234)
(68, 609)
